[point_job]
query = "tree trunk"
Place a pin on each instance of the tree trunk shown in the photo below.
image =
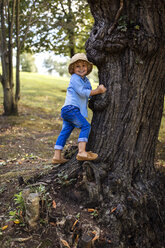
(71, 34)
(6, 58)
(127, 118)
(17, 92)
(127, 46)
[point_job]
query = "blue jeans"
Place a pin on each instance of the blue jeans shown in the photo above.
(72, 118)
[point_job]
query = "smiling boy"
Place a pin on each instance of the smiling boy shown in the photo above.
(74, 111)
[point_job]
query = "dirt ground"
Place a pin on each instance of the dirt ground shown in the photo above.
(26, 148)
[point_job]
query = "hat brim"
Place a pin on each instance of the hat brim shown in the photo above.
(89, 65)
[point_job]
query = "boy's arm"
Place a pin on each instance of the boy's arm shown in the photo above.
(99, 90)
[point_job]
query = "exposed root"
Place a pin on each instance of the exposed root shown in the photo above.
(92, 175)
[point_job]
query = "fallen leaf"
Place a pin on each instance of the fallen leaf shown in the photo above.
(52, 223)
(54, 204)
(16, 221)
(65, 243)
(90, 210)
(4, 227)
(96, 237)
(77, 237)
(113, 210)
(74, 224)
(137, 27)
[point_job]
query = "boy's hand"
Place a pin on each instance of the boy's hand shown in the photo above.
(101, 88)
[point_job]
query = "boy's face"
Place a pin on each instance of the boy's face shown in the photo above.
(80, 68)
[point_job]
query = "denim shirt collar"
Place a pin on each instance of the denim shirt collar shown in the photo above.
(85, 79)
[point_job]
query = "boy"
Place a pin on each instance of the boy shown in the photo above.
(74, 110)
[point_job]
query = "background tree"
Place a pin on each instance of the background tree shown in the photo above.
(127, 46)
(52, 65)
(27, 62)
(7, 13)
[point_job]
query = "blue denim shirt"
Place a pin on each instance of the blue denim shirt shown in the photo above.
(78, 93)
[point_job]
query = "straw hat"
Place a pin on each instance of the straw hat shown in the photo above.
(75, 58)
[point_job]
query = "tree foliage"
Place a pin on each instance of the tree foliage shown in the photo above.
(38, 25)
(53, 65)
(27, 62)
(60, 26)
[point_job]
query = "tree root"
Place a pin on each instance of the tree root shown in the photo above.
(91, 180)
(133, 212)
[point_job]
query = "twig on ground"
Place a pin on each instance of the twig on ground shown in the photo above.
(22, 239)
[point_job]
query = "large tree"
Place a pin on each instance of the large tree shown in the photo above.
(131, 66)
(127, 45)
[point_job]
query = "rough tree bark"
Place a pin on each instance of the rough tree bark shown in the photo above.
(17, 91)
(6, 58)
(127, 45)
(71, 33)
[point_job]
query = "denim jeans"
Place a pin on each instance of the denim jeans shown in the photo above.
(72, 118)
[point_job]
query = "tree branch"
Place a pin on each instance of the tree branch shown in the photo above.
(116, 17)
(0, 78)
(63, 8)
(17, 90)
(13, 15)
(3, 39)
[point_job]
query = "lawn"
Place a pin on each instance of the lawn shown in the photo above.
(43, 91)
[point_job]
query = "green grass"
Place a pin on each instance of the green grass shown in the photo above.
(162, 128)
(43, 91)
(161, 144)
